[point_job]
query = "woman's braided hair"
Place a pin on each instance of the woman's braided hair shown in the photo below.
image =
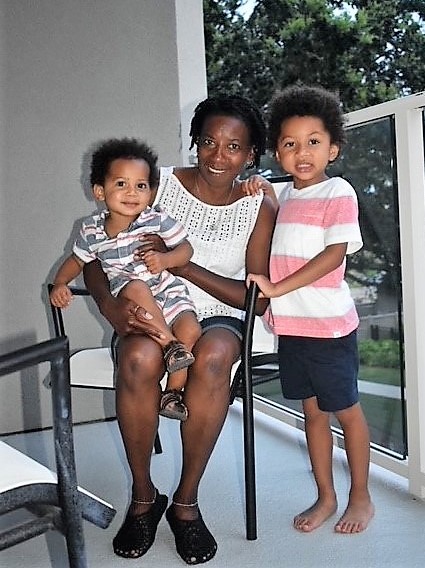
(235, 106)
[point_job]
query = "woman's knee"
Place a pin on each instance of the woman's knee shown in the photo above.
(216, 353)
(139, 358)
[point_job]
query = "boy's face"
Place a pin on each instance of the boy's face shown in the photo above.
(126, 190)
(304, 149)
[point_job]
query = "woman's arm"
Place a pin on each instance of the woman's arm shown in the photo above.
(124, 315)
(230, 291)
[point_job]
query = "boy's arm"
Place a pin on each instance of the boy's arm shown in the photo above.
(61, 295)
(69, 269)
(324, 263)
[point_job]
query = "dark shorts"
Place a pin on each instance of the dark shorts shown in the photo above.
(324, 368)
(234, 325)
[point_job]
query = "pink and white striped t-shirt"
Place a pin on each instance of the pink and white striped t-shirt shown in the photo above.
(308, 221)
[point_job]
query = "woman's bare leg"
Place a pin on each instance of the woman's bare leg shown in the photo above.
(140, 369)
(207, 398)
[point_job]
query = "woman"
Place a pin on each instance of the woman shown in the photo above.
(230, 234)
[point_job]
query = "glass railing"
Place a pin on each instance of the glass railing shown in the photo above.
(369, 162)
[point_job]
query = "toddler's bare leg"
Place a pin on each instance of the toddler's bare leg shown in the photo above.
(360, 508)
(139, 292)
(319, 442)
(187, 330)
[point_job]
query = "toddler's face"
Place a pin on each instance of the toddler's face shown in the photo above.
(126, 190)
(304, 149)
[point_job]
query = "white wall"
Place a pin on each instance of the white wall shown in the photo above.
(72, 73)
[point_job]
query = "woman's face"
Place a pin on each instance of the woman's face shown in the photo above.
(224, 148)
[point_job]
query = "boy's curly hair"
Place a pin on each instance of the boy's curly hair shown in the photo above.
(121, 148)
(235, 106)
(303, 100)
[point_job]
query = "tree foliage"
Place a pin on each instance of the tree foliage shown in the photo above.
(369, 51)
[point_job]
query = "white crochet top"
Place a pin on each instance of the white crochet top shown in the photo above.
(219, 235)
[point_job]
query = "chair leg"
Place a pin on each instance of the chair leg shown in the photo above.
(249, 456)
(157, 444)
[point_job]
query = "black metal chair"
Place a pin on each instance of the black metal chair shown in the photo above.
(93, 368)
(54, 498)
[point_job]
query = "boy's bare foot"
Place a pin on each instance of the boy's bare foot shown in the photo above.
(356, 516)
(316, 515)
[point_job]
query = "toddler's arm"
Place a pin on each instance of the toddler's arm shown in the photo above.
(178, 256)
(61, 296)
(323, 263)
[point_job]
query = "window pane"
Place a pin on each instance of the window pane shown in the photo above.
(368, 162)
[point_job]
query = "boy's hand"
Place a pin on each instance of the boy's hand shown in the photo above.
(155, 261)
(264, 284)
(149, 242)
(256, 184)
(61, 296)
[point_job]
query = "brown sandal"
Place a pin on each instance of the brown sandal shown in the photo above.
(172, 406)
(177, 357)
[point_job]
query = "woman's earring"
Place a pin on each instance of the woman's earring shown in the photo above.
(249, 165)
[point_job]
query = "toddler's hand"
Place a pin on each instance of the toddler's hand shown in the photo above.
(155, 261)
(61, 296)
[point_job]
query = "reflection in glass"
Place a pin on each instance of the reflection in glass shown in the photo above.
(374, 276)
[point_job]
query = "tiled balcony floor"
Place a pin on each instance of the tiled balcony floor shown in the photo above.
(394, 539)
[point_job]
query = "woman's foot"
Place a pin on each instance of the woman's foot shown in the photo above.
(171, 405)
(177, 357)
(138, 531)
(194, 542)
(316, 515)
(356, 516)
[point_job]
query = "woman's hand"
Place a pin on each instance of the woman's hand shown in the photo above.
(127, 317)
(149, 242)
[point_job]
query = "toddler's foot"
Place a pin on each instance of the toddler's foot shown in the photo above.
(356, 516)
(177, 357)
(172, 406)
(316, 515)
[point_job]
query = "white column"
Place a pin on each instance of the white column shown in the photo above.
(192, 77)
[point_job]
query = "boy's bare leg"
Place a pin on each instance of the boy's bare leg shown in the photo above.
(187, 330)
(360, 508)
(320, 445)
(139, 292)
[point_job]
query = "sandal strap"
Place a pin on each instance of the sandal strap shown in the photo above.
(170, 396)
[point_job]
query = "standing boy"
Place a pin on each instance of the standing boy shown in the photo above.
(311, 309)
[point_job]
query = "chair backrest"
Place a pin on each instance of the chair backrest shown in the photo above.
(90, 367)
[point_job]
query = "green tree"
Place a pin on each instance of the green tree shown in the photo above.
(369, 51)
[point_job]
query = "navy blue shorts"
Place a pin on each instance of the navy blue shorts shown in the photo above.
(324, 368)
(234, 325)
